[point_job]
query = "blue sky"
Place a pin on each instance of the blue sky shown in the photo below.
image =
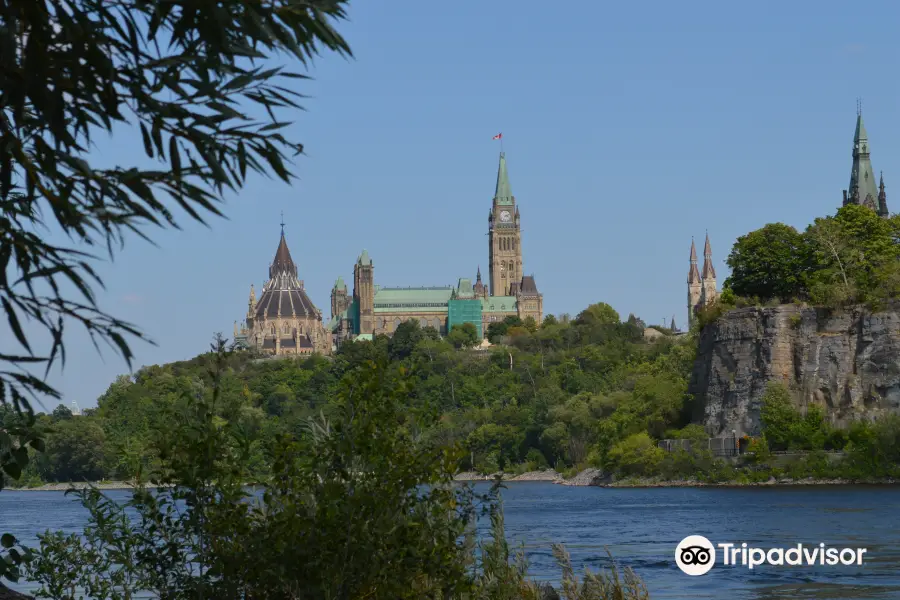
(628, 127)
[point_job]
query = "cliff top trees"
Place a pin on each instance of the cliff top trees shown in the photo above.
(767, 263)
(853, 256)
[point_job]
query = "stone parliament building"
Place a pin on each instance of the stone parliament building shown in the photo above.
(284, 321)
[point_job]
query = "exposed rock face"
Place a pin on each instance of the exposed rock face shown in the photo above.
(587, 477)
(848, 362)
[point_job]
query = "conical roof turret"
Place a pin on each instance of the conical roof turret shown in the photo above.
(693, 273)
(709, 271)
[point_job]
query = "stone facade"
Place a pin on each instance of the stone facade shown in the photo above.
(372, 309)
(284, 321)
(702, 289)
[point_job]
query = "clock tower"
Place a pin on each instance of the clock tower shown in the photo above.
(504, 237)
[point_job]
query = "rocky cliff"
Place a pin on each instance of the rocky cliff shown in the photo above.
(847, 361)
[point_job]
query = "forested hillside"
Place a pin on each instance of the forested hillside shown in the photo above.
(563, 395)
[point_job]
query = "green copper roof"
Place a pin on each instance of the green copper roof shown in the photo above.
(464, 288)
(340, 285)
(364, 258)
(346, 314)
(423, 299)
(860, 130)
(862, 177)
(498, 304)
(363, 337)
(503, 193)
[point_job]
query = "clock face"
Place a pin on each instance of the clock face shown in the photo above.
(504, 216)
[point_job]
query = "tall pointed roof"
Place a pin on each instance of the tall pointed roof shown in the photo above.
(693, 274)
(283, 294)
(709, 271)
(503, 192)
(339, 284)
(860, 134)
(283, 262)
(863, 187)
(364, 259)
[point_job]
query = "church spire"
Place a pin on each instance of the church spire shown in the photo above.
(503, 192)
(709, 271)
(693, 274)
(882, 198)
(862, 188)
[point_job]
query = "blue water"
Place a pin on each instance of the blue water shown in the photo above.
(641, 527)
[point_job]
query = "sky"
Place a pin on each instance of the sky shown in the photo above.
(628, 128)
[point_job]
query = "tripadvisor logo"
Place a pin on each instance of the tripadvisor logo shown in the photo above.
(696, 555)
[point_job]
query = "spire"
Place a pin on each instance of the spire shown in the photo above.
(709, 271)
(478, 275)
(503, 193)
(283, 262)
(862, 188)
(693, 274)
(882, 198)
(672, 324)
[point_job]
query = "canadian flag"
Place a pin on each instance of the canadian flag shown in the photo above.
(499, 136)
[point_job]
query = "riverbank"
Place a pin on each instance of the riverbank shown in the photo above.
(596, 478)
(586, 478)
(772, 481)
(62, 487)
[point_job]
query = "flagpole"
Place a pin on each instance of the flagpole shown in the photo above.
(499, 136)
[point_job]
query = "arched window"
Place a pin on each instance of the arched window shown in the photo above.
(272, 330)
(285, 328)
(397, 322)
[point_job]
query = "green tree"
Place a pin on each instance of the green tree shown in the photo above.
(856, 254)
(76, 451)
(406, 337)
(61, 413)
(779, 417)
(768, 263)
(498, 329)
(637, 455)
(464, 335)
(193, 80)
(600, 313)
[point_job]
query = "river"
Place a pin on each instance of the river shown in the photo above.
(642, 527)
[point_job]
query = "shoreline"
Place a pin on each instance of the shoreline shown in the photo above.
(587, 478)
